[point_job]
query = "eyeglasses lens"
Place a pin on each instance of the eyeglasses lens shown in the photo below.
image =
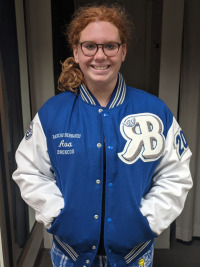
(90, 48)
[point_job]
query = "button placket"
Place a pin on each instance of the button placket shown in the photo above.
(109, 147)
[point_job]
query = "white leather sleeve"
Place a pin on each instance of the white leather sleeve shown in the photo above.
(35, 178)
(171, 183)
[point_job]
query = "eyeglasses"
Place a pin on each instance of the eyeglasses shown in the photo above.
(110, 49)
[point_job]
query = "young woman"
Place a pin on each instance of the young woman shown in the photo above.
(104, 165)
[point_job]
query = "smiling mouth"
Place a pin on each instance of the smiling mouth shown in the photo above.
(100, 68)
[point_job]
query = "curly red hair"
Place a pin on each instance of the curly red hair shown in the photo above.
(71, 76)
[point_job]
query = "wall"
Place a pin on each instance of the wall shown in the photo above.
(172, 31)
(1, 252)
(24, 79)
(36, 75)
(40, 53)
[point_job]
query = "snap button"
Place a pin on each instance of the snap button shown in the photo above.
(98, 181)
(100, 110)
(105, 114)
(93, 247)
(110, 147)
(99, 145)
(87, 261)
(109, 220)
(96, 217)
(110, 185)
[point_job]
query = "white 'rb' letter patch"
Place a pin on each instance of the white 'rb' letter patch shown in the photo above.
(144, 135)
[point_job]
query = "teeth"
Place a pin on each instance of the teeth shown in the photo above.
(100, 68)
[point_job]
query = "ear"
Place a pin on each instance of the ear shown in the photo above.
(75, 52)
(124, 50)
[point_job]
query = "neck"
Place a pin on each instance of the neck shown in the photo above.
(102, 97)
(102, 92)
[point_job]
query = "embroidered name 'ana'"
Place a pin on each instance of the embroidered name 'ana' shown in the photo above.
(65, 144)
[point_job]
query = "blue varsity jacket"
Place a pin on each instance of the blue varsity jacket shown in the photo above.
(147, 173)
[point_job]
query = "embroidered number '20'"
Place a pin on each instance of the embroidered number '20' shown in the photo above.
(181, 143)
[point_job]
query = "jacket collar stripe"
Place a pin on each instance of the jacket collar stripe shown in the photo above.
(117, 92)
(87, 95)
(123, 94)
(120, 93)
(83, 97)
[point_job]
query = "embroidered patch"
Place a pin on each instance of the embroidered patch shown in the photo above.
(29, 132)
(144, 135)
(130, 123)
(65, 142)
(180, 143)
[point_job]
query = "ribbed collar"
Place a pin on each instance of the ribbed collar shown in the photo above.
(116, 99)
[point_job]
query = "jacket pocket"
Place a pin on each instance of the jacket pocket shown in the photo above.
(136, 251)
(67, 248)
(147, 223)
(54, 222)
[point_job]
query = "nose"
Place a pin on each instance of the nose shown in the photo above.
(100, 54)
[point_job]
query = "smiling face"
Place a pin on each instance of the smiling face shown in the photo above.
(100, 70)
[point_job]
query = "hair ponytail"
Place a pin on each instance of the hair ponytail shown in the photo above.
(71, 76)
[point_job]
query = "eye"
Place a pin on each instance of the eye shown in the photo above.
(89, 45)
(110, 46)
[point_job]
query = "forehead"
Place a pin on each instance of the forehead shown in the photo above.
(100, 31)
